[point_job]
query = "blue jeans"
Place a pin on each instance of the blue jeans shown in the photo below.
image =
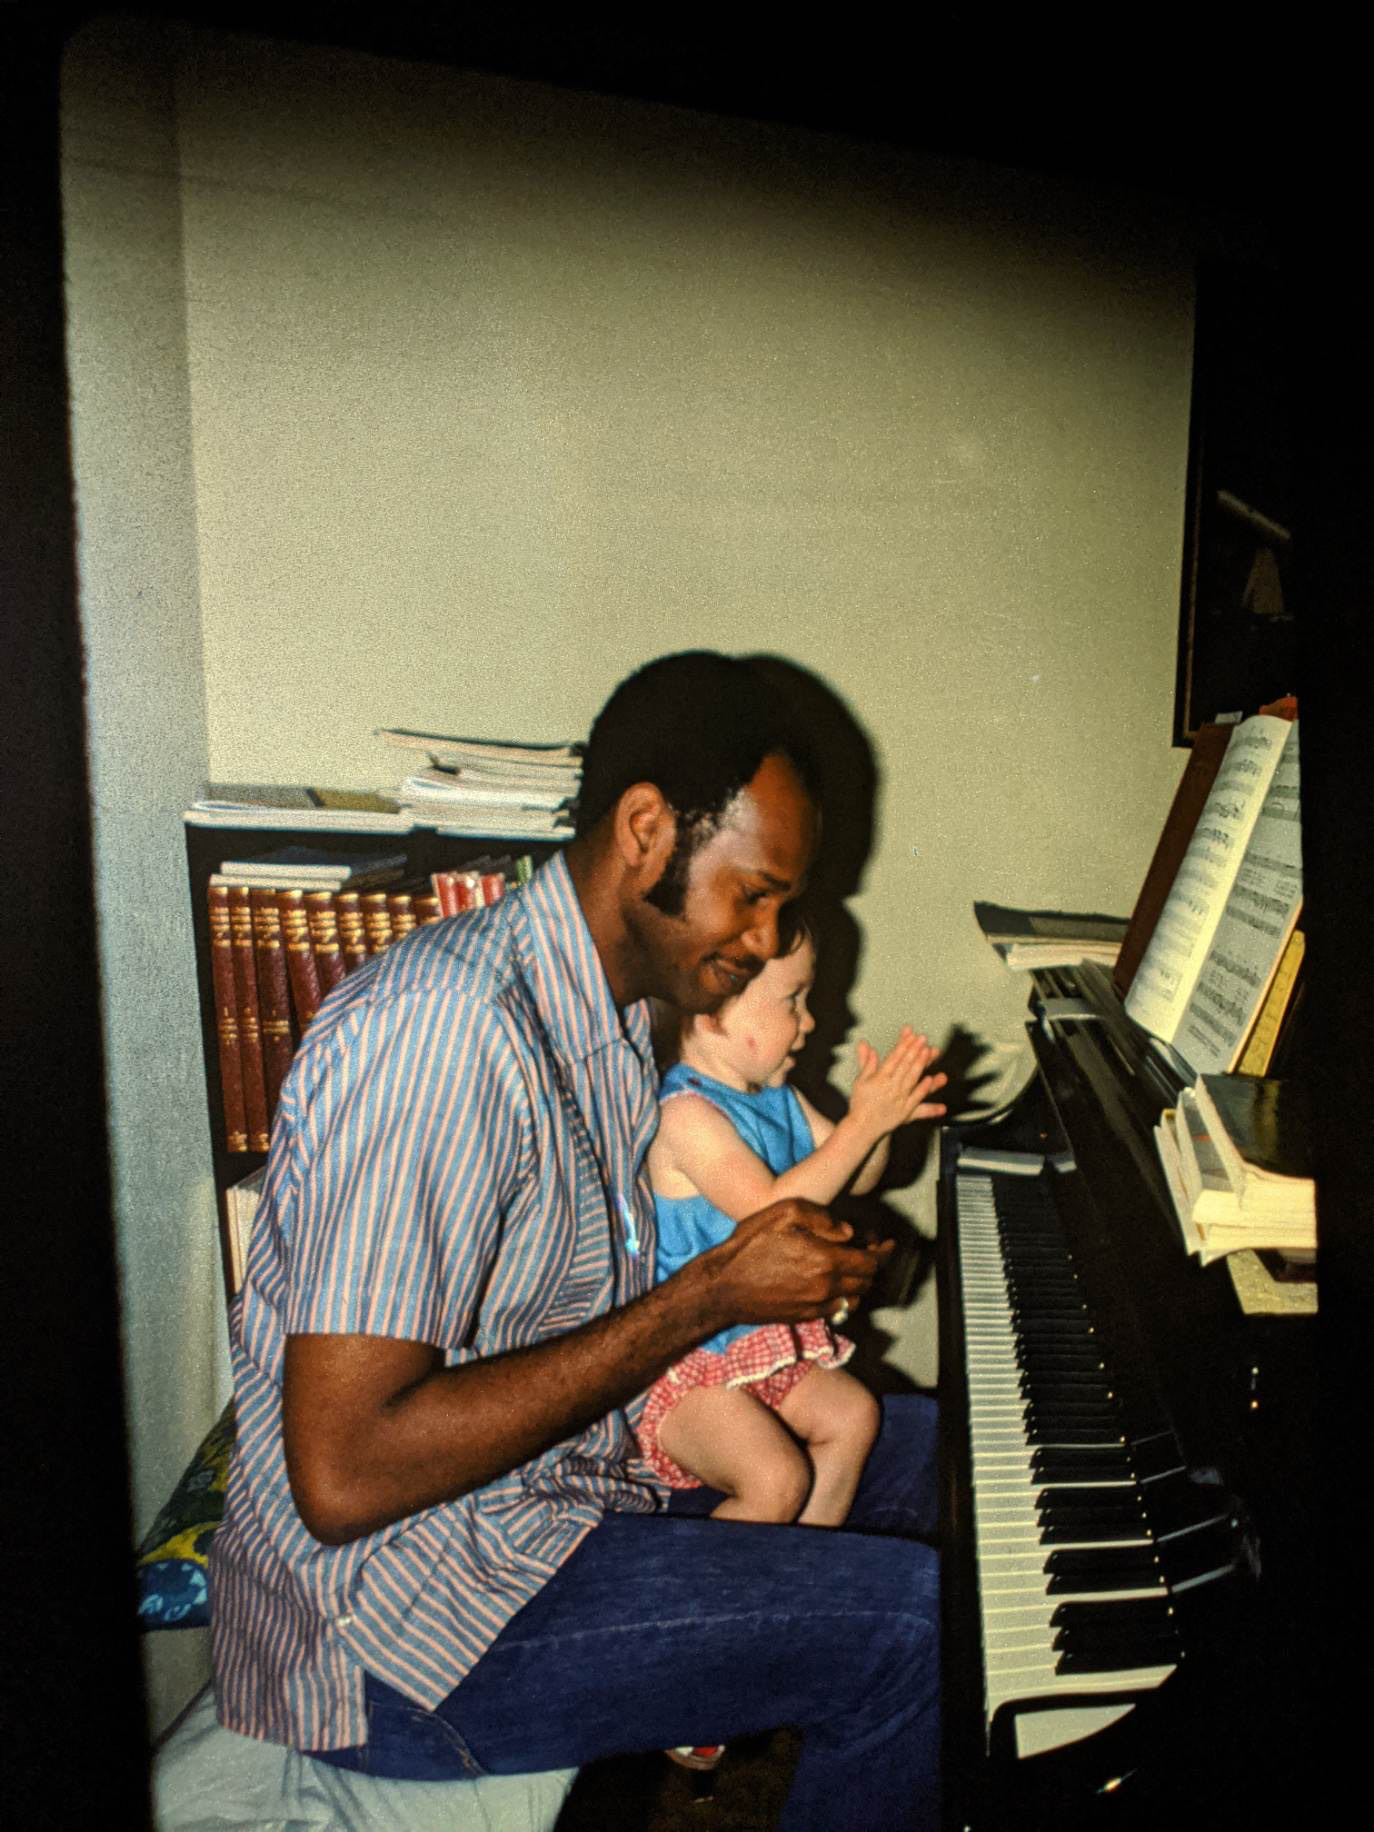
(669, 1629)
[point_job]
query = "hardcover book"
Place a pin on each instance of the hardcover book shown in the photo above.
(274, 994)
(348, 912)
(313, 867)
(227, 1020)
(376, 921)
(301, 971)
(250, 1033)
(324, 937)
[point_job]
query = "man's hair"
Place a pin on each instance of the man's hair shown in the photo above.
(696, 725)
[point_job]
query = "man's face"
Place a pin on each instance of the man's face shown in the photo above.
(753, 864)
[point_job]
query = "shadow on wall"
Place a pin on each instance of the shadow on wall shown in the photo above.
(848, 780)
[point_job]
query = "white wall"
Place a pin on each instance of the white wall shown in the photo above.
(499, 390)
(140, 610)
(411, 397)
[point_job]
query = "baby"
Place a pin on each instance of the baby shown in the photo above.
(764, 1413)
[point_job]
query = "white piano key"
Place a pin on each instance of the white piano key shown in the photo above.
(1015, 1600)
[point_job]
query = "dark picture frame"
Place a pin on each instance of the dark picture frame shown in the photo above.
(1237, 642)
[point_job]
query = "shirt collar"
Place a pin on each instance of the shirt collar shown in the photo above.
(574, 996)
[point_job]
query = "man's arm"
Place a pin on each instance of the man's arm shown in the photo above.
(377, 1428)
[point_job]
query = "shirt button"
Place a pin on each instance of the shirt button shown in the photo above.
(344, 1621)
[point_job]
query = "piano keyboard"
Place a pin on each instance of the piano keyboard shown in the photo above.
(1085, 1523)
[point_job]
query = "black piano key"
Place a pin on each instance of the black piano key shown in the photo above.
(1093, 1390)
(1090, 1495)
(1049, 1361)
(1076, 1434)
(1078, 1463)
(1072, 1570)
(1114, 1660)
(1069, 1532)
(1058, 1415)
(1128, 1577)
(1118, 1644)
(1137, 1612)
(1107, 1521)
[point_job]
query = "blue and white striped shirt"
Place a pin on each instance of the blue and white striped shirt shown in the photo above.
(455, 1160)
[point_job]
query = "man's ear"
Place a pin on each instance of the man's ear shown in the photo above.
(645, 830)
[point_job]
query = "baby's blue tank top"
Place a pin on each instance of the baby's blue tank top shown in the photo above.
(772, 1124)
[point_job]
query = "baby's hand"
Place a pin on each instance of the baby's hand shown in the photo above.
(893, 1091)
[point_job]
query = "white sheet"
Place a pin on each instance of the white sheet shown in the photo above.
(207, 1779)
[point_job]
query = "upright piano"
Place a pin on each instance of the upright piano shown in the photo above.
(1128, 1468)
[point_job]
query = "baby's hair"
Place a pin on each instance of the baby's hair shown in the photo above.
(795, 926)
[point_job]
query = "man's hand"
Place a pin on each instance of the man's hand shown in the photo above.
(788, 1264)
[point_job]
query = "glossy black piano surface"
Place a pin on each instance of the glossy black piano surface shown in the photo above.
(1167, 1441)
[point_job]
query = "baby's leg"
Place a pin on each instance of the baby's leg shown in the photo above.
(837, 1419)
(733, 1442)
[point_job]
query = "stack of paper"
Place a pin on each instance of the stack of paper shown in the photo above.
(489, 788)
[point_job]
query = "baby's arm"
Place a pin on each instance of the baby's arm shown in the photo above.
(698, 1149)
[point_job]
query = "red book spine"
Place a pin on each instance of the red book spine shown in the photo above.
(426, 907)
(274, 993)
(227, 1020)
(443, 882)
(493, 887)
(250, 1034)
(324, 933)
(376, 921)
(300, 956)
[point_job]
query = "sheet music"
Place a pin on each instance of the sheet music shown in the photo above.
(1236, 832)
(1249, 939)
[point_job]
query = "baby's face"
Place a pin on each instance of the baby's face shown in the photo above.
(762, 1030)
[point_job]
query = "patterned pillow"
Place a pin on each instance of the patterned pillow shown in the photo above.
(172, 1560)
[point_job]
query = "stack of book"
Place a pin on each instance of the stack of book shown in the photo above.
(285, 928)
(1050, 938)
(1235, 1157)
(277, 805)
(488, 789)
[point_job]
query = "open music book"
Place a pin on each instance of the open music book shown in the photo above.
(1232, 906)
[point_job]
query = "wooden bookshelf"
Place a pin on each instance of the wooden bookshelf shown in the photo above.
(206, 849)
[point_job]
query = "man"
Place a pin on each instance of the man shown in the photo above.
(440, 1556)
